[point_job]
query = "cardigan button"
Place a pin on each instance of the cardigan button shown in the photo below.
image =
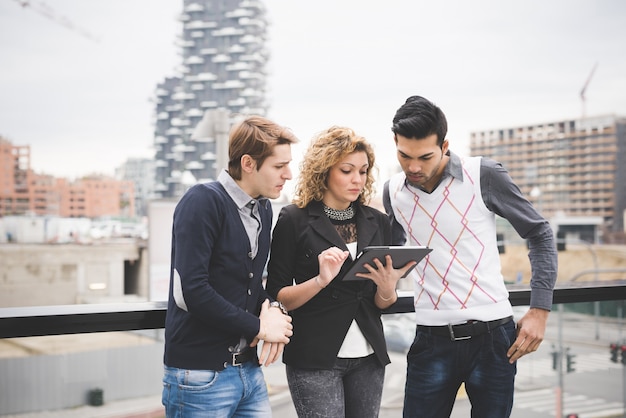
(250, 255)
(250, 275)
(249, 292)
(225, 364)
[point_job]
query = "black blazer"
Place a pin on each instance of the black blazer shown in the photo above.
(321, 324)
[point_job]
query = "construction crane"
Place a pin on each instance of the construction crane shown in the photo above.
(46, 11)
(582, 92)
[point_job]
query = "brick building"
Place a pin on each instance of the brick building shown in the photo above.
(22, 191)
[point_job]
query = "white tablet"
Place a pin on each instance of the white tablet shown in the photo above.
(400, 255)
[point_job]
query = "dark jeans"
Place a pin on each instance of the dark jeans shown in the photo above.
(437, 366)
(352, 389)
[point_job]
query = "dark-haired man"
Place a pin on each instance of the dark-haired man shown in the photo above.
(465, 330)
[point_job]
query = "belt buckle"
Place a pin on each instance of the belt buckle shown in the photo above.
(234, 362)
(454, 337)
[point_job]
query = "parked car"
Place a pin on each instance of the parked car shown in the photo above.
(399, 331)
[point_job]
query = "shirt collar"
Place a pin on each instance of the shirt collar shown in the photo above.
(235, 192)
(454, 167)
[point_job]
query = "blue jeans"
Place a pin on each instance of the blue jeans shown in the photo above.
(353, 388)
(236, 391)
(437, 366)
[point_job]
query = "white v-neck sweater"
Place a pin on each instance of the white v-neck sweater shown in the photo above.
(461, 278)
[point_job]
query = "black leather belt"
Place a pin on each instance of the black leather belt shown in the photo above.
(240, 358)
(466, 330)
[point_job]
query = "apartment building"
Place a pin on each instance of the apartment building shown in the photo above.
(222, 76)
(571, 168)
(15, 173)
(141, 172)
(24, 192)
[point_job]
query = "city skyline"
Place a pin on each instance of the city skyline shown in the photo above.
(81, 96)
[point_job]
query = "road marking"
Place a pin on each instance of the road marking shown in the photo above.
(530, 368)
(544, 401)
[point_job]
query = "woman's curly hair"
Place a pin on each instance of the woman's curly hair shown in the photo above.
(327, 149)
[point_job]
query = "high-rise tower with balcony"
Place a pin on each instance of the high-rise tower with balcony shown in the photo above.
(222, 77)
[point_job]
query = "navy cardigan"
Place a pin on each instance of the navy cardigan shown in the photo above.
(221, 290)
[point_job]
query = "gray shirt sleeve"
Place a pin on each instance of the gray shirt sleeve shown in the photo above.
(398, 236)
(503, 197)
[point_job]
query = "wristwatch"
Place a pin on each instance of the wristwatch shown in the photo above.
(279, 305)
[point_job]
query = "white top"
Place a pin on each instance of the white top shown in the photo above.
(354, 345)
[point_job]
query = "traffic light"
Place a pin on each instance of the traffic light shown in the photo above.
(623, 349)
(614, 348)
(500, 240)
(570, 362)
(555, 359)
(560, 241)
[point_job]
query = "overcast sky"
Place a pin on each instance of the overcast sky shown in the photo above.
(81, 97)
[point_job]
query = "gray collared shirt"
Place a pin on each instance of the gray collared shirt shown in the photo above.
(452, 169)
(248, 209)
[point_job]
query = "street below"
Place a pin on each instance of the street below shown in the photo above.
(594, 389)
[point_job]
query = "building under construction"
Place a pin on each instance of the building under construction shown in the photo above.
(568, 169)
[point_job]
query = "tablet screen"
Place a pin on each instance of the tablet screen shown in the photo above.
(400, 255)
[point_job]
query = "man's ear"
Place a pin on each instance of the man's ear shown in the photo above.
(444, 146)
(248, 164)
